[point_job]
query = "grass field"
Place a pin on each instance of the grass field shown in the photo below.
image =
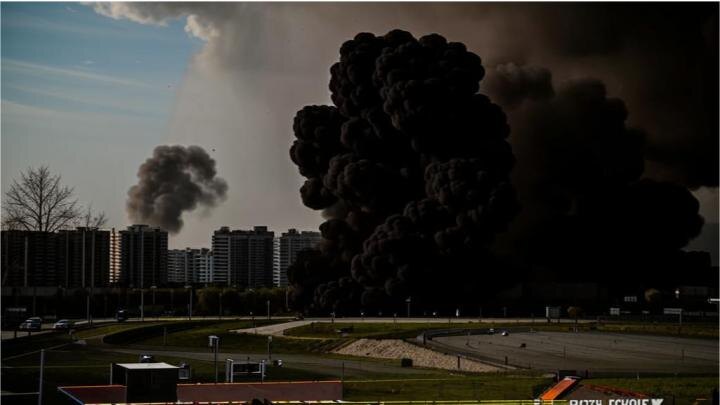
(79, 365)
(197, 339)
(684, 390)
(83, 365)
(448, 388)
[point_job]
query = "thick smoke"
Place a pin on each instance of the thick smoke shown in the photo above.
(580, 179)
(174, 180)
(411, 167)
(660, 59)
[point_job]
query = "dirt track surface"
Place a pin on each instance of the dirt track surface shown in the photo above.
(593, 351)
(398, 349)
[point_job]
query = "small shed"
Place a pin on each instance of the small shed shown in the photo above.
(146, 382)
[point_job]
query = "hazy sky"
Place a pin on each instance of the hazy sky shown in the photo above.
(90, 90)
(86, 95)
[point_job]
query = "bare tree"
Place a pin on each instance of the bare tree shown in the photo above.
(39, 202)
(91, 219)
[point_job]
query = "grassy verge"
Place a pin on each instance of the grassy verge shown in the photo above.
(685, 390)
(326, 330)
(452, 388)
(194, 337)
(111, 328)
(84, 366)
(16, 347)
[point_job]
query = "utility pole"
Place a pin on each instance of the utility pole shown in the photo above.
(190, 300)
(215, 344)
(42, 367)
(142, 275)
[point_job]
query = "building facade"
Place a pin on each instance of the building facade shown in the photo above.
(115, 256)
(287, 247)
(29, 259)
(77, 258)
(243, 258)
(143, 257)
(190, 266)
(221, 255)
(83, 258)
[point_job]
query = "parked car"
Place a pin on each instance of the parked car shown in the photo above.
(34, 323)
(505, 333)
(63, 324)
(491, 331)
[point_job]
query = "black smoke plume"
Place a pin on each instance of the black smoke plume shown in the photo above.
(589, 215)
(174, 180)
(411, 167)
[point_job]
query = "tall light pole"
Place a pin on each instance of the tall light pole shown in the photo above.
(153, 288)
(269, 348)
(268, 310)
(142, 304)
(220, 311)
(190, 300)
(408, 300)
(215, 344)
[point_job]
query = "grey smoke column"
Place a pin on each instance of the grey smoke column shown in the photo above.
(175, 179)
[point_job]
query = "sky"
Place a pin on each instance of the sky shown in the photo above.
(88, 96)
(91, 90)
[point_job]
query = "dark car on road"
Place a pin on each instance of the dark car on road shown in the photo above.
(63, 324)
(34, 323)
(122, 315)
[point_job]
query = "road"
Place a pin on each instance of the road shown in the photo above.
(48, 326)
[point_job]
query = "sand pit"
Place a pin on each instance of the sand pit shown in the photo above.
(421, 357)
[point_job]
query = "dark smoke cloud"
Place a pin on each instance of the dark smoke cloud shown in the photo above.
(663, 60)
(579, 178)
(512, 84)
(174, 180)
(411, 168)
(660, 59)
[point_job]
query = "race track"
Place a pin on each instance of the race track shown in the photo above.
(593, 351)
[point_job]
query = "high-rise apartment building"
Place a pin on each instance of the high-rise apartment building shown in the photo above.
(29, 259)
(190, 266)
(115, 256)
(221, 255)
(83, 257)
(143, 257)
(287, 247)
(243, 257)
(73, 258)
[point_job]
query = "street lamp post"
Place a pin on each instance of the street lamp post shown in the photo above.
(268, 310)
(220, 311)
(269, 348)
(142, 304)
(190, 300)
(408, 300)
(153, 288)
(214, 342)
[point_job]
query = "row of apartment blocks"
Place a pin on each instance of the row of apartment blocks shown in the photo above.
(138, 257)
(248, 258)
